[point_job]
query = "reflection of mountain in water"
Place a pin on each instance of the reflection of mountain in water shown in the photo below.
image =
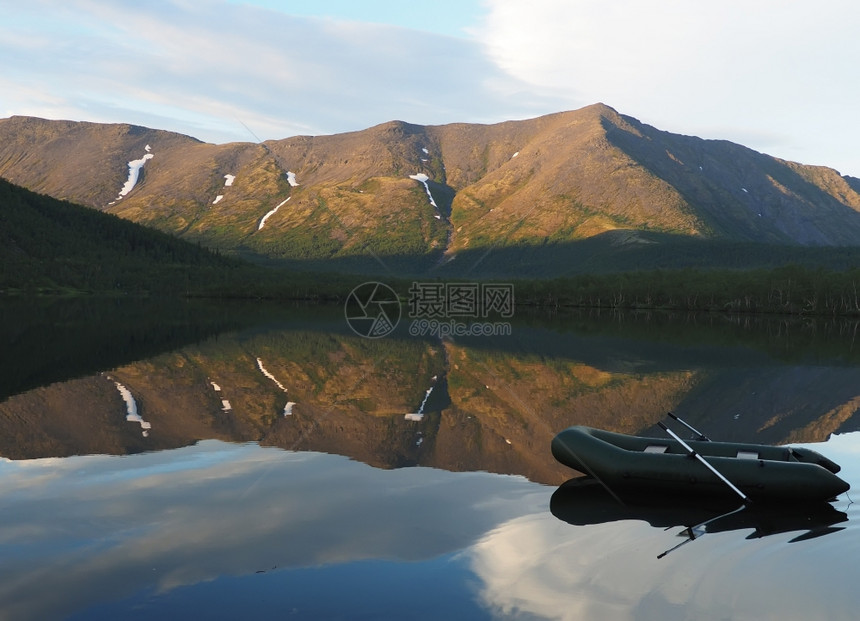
(47, 340)
(776, 404)
(494, 405)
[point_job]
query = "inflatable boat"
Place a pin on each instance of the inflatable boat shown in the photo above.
(624, 463)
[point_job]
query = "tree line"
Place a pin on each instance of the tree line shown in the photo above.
(792, 289)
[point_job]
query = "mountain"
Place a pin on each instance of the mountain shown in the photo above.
(572, 191)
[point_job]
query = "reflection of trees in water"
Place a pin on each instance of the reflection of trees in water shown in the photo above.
(46, 340)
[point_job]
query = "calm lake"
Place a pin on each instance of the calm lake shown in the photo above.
(167, 460)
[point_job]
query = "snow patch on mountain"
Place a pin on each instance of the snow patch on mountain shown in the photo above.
(134, 168)
(291, 179)
(271, 213)
(228, 181)
(422, 178)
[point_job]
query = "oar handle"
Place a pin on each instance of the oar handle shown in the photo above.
(702, 436)
(705, 462)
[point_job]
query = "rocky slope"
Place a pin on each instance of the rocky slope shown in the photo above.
(412, 196)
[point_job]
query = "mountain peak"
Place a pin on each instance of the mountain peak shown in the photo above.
(600, 108)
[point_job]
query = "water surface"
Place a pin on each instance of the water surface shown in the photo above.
(410, 478)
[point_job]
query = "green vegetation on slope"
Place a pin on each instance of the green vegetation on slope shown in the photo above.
(49, 245)
(52, 245)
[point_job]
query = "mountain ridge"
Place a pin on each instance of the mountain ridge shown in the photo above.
(431, 193)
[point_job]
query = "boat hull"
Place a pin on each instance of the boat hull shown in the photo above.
(621, 462)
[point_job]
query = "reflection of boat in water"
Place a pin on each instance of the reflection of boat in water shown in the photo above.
(626, 463)
(584, 501)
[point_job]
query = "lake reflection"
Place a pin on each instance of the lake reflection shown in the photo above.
(262, 472)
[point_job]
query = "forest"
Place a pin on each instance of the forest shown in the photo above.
(790, 290)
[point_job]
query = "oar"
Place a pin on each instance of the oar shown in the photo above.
(702, 436)
(691, 535)
(694, 532)
(694, 454)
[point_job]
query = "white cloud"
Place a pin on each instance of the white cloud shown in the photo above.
(777, 70)
(777, 76)
(205, 68)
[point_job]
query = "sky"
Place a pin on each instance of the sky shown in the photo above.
(779, 76)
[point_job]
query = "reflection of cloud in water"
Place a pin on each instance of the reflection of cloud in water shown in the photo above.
(101, 524)
(96, 525)
(534, 565)
(844, 449)
(538, 565)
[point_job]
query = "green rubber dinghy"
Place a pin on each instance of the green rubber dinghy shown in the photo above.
(624, 463)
